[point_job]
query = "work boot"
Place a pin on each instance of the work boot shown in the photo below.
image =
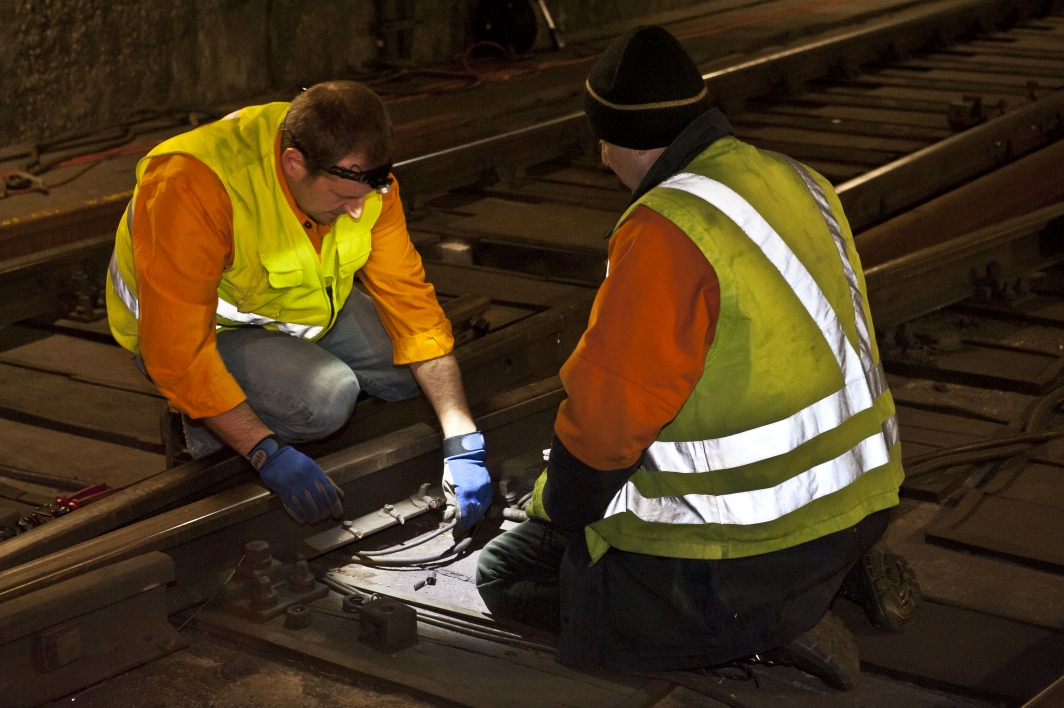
(173, 435)
(826, 651)
(883, 584)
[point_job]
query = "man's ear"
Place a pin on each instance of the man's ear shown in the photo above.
(294, 165)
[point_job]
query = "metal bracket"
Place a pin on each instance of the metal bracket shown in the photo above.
(425, 499)
(258, 590)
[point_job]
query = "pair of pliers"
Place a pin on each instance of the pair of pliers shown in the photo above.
(83, 497)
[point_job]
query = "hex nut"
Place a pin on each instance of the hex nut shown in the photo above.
(257, 553)
(302, 579)
(297, 617)
(263, 595)
(353, 603)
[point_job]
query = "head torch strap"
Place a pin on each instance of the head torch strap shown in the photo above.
(377, 178)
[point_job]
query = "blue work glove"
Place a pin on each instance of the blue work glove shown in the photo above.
(306, 493)
(466, 483)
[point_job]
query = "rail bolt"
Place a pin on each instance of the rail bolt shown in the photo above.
(263, 596)
(297, 617)
(353, 603)
(257, 554)
(302, 579)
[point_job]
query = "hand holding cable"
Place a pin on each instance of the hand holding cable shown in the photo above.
(307, 494)
(466, 482)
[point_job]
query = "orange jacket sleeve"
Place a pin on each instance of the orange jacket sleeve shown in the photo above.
(651, 327)
(182, 241)
(405, 303)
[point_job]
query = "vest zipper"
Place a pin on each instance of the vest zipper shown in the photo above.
(332, 307)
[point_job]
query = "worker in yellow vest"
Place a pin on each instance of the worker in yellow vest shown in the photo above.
(233, 284)
(728, 453)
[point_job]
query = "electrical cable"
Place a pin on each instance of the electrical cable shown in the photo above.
(104, 144)
(1043, 409)
(971, 458)
(456, 81)
(416, 541)
(79, 173)
(995, 448)
(992, 444)
(445, 555)
(344, 590)
(213, 595)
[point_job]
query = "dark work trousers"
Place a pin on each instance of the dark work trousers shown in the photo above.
(631, 611)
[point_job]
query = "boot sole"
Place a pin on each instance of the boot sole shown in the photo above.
(826, 651)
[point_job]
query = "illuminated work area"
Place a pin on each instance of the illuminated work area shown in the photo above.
(532, 353)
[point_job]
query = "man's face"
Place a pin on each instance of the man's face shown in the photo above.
(325, 197)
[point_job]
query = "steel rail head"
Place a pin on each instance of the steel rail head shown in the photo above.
(806, 59)
(940, 275)
(499, 418)
(897, 185)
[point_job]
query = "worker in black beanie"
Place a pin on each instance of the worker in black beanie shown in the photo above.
(724, 464)
(644, 90)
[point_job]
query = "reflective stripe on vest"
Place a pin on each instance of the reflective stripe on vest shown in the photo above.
(225, 309)
(760, 505)
(863, 383)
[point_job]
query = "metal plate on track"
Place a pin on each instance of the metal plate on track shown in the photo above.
(961, 651)
(924, 431)
(1018, 516)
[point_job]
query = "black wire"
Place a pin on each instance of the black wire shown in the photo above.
(991, 444)
(416, 541)
(1042, 408)
(103, 139)
(344, 589)
(970, 458)
(995, 448)
(213, 595)
(448, 554)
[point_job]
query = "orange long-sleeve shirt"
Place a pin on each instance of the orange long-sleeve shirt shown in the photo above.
(645, 348)
(183, 241)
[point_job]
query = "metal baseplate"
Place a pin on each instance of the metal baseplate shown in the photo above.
(258, 590)
(387, 625)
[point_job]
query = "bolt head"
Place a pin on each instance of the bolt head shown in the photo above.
(257, 552)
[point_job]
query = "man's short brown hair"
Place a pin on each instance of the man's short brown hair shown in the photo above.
(335, 119)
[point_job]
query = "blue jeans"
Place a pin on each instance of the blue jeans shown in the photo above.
(307, 390)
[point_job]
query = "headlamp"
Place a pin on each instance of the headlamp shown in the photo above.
(377, 178)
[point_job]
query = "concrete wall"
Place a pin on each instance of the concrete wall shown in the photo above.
(81, 64)
(581, 18)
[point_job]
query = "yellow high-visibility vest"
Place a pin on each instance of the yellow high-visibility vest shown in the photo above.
(277, 280)
(791, 433)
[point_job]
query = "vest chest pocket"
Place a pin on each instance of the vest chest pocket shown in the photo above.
(283, 268)
(352, 254)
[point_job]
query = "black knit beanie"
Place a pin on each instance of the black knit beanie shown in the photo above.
(644, 90)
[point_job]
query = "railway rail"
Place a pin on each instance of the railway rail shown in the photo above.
(927, 111)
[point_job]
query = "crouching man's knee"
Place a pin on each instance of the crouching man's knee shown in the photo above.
(322, 405)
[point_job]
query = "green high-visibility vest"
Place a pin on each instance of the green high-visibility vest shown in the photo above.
(277, 280)
(790, 434)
